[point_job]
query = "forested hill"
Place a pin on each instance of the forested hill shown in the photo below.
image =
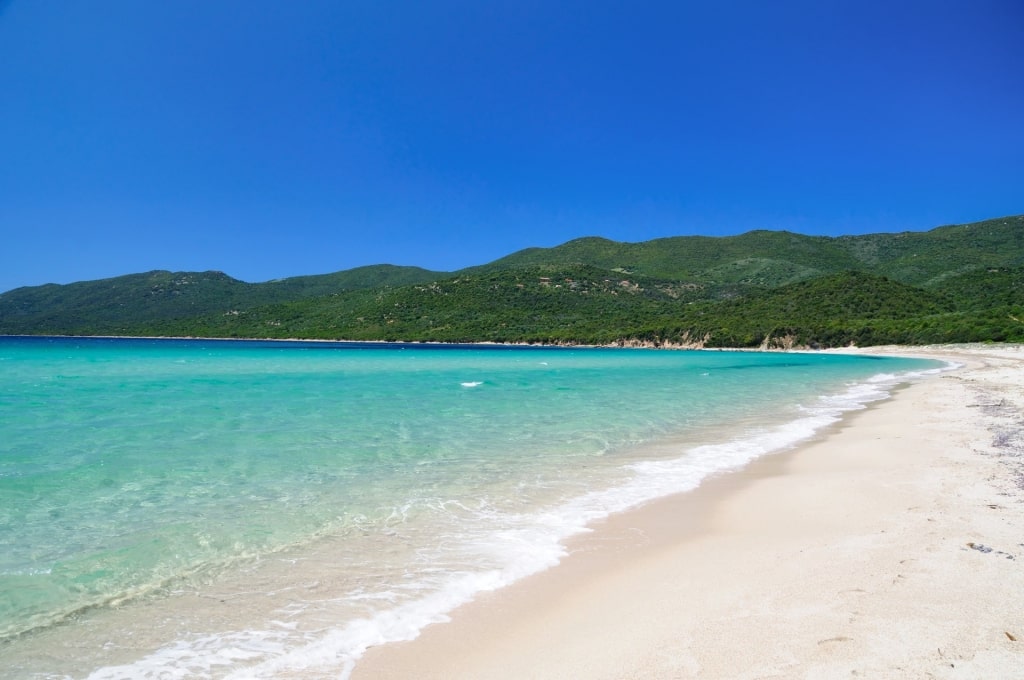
(763, 288)
(133, 302)
(773, 258)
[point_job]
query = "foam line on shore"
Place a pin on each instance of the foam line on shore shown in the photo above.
(849, 554)
(532, 544)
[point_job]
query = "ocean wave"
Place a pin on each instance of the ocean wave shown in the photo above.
(512, 545)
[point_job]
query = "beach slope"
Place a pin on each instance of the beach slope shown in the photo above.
(891, 546)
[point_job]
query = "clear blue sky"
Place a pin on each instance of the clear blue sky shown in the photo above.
(271, 139)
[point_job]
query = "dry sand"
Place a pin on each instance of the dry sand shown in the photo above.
(891, 547)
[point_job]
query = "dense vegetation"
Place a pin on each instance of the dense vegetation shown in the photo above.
(131, 304)
(961, 283)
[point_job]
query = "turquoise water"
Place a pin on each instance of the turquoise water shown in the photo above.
(247, 508)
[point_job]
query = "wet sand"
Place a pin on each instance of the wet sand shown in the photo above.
(890, 546)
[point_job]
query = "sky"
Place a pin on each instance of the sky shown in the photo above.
(269, 139)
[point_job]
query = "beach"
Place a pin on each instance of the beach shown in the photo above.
(891, 545)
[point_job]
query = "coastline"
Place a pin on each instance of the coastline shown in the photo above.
(889, 546)
(620, 344)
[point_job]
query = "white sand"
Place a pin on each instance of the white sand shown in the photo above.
(849, 557)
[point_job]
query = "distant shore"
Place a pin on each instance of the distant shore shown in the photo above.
(890, 546)
(903, 350)
(418, 343)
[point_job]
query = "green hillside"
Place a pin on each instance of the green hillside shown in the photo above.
(774, 258)
(984, 288)
(839, 309)
(951, 284)
(581, 304)
(117, 305)
(926, 258)
(534, 304)
(373, 276)
(764, 257)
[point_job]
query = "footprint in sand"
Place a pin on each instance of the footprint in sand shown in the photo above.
(841, 638)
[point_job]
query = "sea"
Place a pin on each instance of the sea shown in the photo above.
(246, 509)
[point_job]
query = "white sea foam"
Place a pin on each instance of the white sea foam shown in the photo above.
(519, 544)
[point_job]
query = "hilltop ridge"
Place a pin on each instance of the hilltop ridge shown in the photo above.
(950, 284)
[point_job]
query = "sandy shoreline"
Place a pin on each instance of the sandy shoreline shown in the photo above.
(892, 546)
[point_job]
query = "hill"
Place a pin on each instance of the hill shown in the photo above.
(762, 288)
(760, 257)
(574, 303)
(774, 258)
(123, 304)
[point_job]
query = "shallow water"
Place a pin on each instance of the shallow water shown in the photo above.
(253, 509)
